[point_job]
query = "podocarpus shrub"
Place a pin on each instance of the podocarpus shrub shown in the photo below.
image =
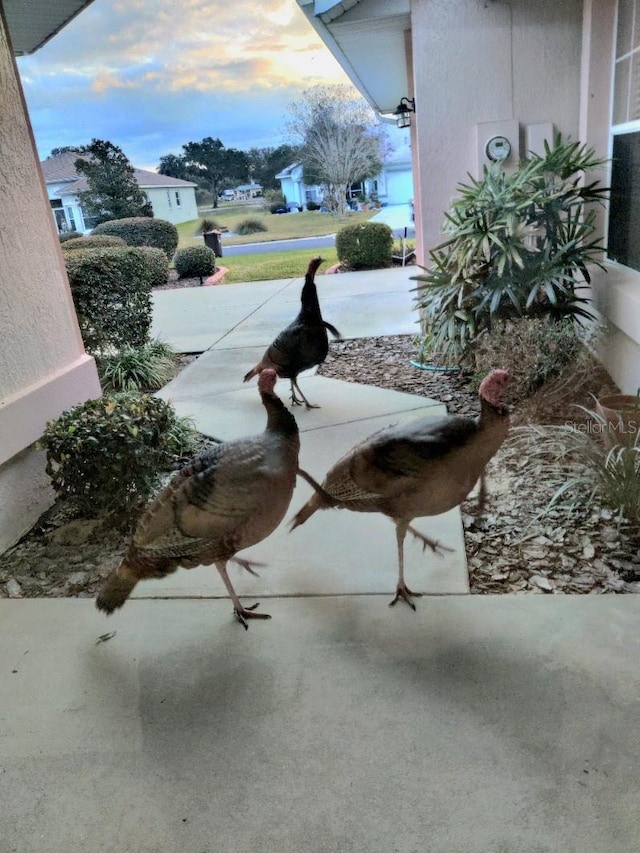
(100, 241)
(143, 231)
(111, 291)
(250, 226)
(195, 261)
(313, 205)
(533, 349)
(107, 455)
(158, 264)
(365, 246)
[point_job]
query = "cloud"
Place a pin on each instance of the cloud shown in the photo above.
(152, 76)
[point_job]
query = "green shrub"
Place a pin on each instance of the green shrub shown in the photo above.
(195, 261)
(313, 205)
(63, 236)
(250, 226)
(145, 368)
(533, 350)
(158, 265)
(365, 246)
(99, 241)
(518, 243)
(107, 455)
(111, 291)
(143, 231)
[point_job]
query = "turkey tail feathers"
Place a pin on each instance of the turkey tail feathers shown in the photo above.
(253, 372)
(306, 512)
(116, 589)
(332, 329)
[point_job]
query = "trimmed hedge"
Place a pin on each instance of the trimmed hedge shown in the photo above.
(365, 246)
(143, 231)
(195, 261)
(108, 454)
(158, 264)
(100, 241)
(111, 291)
(313, 205)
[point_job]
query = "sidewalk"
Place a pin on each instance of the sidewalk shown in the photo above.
(478, 724)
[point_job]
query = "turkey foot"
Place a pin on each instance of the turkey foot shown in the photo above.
(298, 401)
(244, 613)
(403, 592)
(435, 546)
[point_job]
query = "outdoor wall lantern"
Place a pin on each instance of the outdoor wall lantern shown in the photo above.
(403, 112)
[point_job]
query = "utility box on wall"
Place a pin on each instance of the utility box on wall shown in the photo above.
(498, 141)
(536, 135)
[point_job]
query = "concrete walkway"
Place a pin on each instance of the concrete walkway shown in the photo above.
(504, 724)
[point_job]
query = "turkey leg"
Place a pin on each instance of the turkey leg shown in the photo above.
(402, 590)
(296, 401)
(435, 546)
(242, 613)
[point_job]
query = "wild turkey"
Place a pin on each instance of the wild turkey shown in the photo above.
(303, 344)
(417, 469)
(230, 497)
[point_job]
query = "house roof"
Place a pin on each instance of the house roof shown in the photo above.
(31, 23)
(249, 187)
(62, 169)
(287, 171)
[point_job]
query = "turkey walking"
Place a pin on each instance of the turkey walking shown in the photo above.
(417, 469)
(228, 498)
(303, 344)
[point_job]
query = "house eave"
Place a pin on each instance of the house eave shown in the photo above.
(32, 23)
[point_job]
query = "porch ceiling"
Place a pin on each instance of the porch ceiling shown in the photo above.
(368, 38)
(32, 23)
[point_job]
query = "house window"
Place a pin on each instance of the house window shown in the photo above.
(355, 190)
(624, 209)
(169, 199)
(177, 199)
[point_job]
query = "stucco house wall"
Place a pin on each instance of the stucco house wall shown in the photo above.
(44, 366)
(174, 203)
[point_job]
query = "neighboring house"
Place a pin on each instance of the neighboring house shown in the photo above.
(170, 198)
(246, 191)
(520, 70)
(394, 184)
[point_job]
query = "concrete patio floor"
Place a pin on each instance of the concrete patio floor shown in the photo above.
(476, 725)
(504, 724)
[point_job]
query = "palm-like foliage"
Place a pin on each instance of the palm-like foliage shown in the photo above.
(518, 245)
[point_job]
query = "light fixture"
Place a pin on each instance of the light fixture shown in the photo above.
(403, 112)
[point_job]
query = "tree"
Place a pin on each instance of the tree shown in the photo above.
(215, 163)
(113, 191)
(175, 166)
(266, 163)
(65, 149)
(340, 140)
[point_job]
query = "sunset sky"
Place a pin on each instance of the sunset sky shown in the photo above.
(151, 75)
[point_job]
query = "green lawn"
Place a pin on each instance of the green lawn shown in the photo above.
(273, 265)
(279, 226)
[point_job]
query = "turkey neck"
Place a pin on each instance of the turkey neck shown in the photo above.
(495, 421)
(279, 418)
(310, 310)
